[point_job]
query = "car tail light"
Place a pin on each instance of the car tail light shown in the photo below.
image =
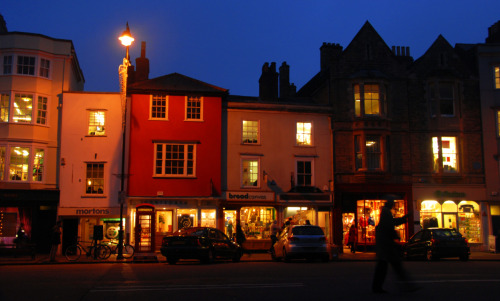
(293, 238)
(434, 241)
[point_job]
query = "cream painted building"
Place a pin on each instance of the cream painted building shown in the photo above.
(279, 166)
(34, 70)
(91, 168)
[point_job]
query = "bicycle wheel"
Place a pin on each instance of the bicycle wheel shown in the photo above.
(103, 252)
(73, 253)
(128, 251)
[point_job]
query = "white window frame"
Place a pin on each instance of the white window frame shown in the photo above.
(6, 62)
(188, 107)
(93, 178)
(247, 134)
(297, 174)
(153, 99)
(44, 68)
(160, 160)
(302, 135)
(34, 116)
(22, 66)
(30, 166)
(92, 122)
(243, 172)
(42, 112)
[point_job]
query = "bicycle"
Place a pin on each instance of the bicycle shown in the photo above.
(96, 251)
(128, 250)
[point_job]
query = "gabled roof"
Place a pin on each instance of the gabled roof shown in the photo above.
(367, 33)
(175, 83)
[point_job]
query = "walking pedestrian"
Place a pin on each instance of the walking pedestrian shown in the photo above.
(275, 229)
(388, 251)
(55, 240)
(352, 238)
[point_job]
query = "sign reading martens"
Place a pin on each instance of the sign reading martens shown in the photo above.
(248, 196)
(89, 211)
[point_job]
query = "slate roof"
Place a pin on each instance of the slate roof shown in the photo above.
(175, 83)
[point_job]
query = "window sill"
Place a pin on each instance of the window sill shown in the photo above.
(88, 196)
(96, 135)
(173, 177)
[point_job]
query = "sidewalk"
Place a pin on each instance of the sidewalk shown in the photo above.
(254, 257)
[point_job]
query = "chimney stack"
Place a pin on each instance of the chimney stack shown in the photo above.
(268, 82)
(142, 65)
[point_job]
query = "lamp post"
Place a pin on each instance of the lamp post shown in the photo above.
(126, 39)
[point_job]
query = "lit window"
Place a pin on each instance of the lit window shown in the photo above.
(159, 107)
(4, 107)
(304, 133)
(41, 115)
(367, 99)
(97, 121)
(7, 64)
(304, 173)
(194, 108)
(38, 162)
(19, 163)
(445, 154)
(2, 162)
(44, 68)
(497, 77)
(250, 172)
(175, 160)
(498, 123)
(442, 99)
(95, 178)
(250, 132)
(23, 108)
(26, 65)
(368, 152)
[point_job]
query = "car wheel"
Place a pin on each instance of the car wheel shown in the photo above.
(286, 257)
(172, 260)
(464, 257)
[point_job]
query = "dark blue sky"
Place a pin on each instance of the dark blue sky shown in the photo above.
(226, 42)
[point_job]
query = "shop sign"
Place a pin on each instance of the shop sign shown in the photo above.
(449, 194)
(89, 211)
(248, 196)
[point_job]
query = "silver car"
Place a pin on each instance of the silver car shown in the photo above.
(301, 241)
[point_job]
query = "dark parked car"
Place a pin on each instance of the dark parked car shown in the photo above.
(205, 244)
(436, 243)
(301, 241)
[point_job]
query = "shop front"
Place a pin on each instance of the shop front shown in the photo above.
(460, 208)
(171, 215)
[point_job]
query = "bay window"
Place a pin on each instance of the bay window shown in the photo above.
(22, 163)
(368, 99)
(26, 108)
(497, 77)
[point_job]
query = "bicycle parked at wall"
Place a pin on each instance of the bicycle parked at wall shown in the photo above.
(95, 251)
(128, 250)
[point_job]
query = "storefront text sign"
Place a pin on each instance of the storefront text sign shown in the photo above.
(88, 211)
(449, 194)
(248, 196)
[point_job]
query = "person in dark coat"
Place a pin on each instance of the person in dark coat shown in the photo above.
(352, 238)
(55, 240)
(240, 236)
(388, 251)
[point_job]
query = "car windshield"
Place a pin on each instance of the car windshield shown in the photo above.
(307, 230)
(447, 233)
(190, 232)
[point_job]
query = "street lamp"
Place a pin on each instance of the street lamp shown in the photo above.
(126, 39)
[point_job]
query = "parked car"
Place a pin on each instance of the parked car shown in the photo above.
(301, 241)
(203, 243)
(436, 243)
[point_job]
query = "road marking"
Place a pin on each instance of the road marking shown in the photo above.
(130, 288)
(457, 280)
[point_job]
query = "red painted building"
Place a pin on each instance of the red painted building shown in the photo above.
(175, 152)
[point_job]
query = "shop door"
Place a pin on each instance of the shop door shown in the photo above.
(144, 229)
(164, 225)
(450, 220)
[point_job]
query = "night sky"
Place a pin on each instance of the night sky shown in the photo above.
(226, 42)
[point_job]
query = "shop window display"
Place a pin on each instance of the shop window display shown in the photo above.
(230, 222)
(463, 216)
(164, 222)
(299, 215)
(256, 221)
(208, 218)
(348, 219)
(368, 216)
(187, 218)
